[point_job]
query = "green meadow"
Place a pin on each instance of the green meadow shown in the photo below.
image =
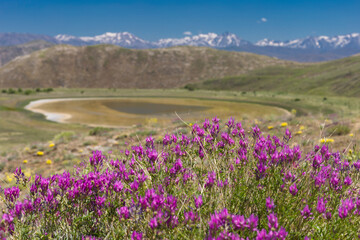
(331, 78)
(22, 127)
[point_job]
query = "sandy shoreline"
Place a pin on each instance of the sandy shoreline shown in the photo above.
(34, 106)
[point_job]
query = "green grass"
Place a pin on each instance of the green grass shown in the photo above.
(340, 77)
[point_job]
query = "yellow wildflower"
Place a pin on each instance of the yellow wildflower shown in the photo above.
(27, 173)
(25, 161)
(284, 124)
(270, 127)
(9, 179)
(40, 153)
(298, 132)
(328, 121)
(350, 151)
(327, 140)
(351, 135)
(48, 162)
(152, 121)
(190, 124)
(302, 128)
(51, 145)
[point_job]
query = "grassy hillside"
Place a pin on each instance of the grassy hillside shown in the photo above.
(339, 77)
(8, 53)
(111, 66)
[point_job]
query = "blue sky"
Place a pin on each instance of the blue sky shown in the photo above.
(249, 19)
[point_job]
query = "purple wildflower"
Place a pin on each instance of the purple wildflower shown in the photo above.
(282, 234)
(306, 212)
(321, 205)
(239, 222)
(118, 187)
(123, 212)
(273, 221)
(97, 159)
(270, 203)
(293, 189)
(136, 236)
(261, 235)
(348, 181)
(252, 222)
(346, 207)
(198, 201)
(287, 135)
(11, 194)
(153, 223)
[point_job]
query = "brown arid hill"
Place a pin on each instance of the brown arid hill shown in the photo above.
(8, 53)
(108, 66)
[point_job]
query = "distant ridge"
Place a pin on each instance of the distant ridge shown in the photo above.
(110, 66)
(309, 49)
(8, 53)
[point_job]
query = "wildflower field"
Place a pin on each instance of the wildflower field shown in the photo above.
(217, 180)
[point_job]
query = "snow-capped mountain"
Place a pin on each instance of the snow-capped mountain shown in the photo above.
(129, 40)
(123, 39)
(225, 40)
(309, 49)
(205, 40)
(319, 42)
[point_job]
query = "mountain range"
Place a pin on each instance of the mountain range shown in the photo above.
(309, 49)
(225, 40)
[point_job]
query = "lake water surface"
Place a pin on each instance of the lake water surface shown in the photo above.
(123, 112)
(146, 108)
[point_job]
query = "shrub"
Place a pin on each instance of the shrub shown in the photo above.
(338, 130)
(88, 143)
(48, 90)
(27, 92)
(190, 87)
(98, 131)
(64, 136)
(11, 91)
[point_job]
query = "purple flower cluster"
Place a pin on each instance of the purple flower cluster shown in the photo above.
(187, 185)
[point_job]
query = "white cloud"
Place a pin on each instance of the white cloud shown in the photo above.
(188, 33)
(263, 19)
